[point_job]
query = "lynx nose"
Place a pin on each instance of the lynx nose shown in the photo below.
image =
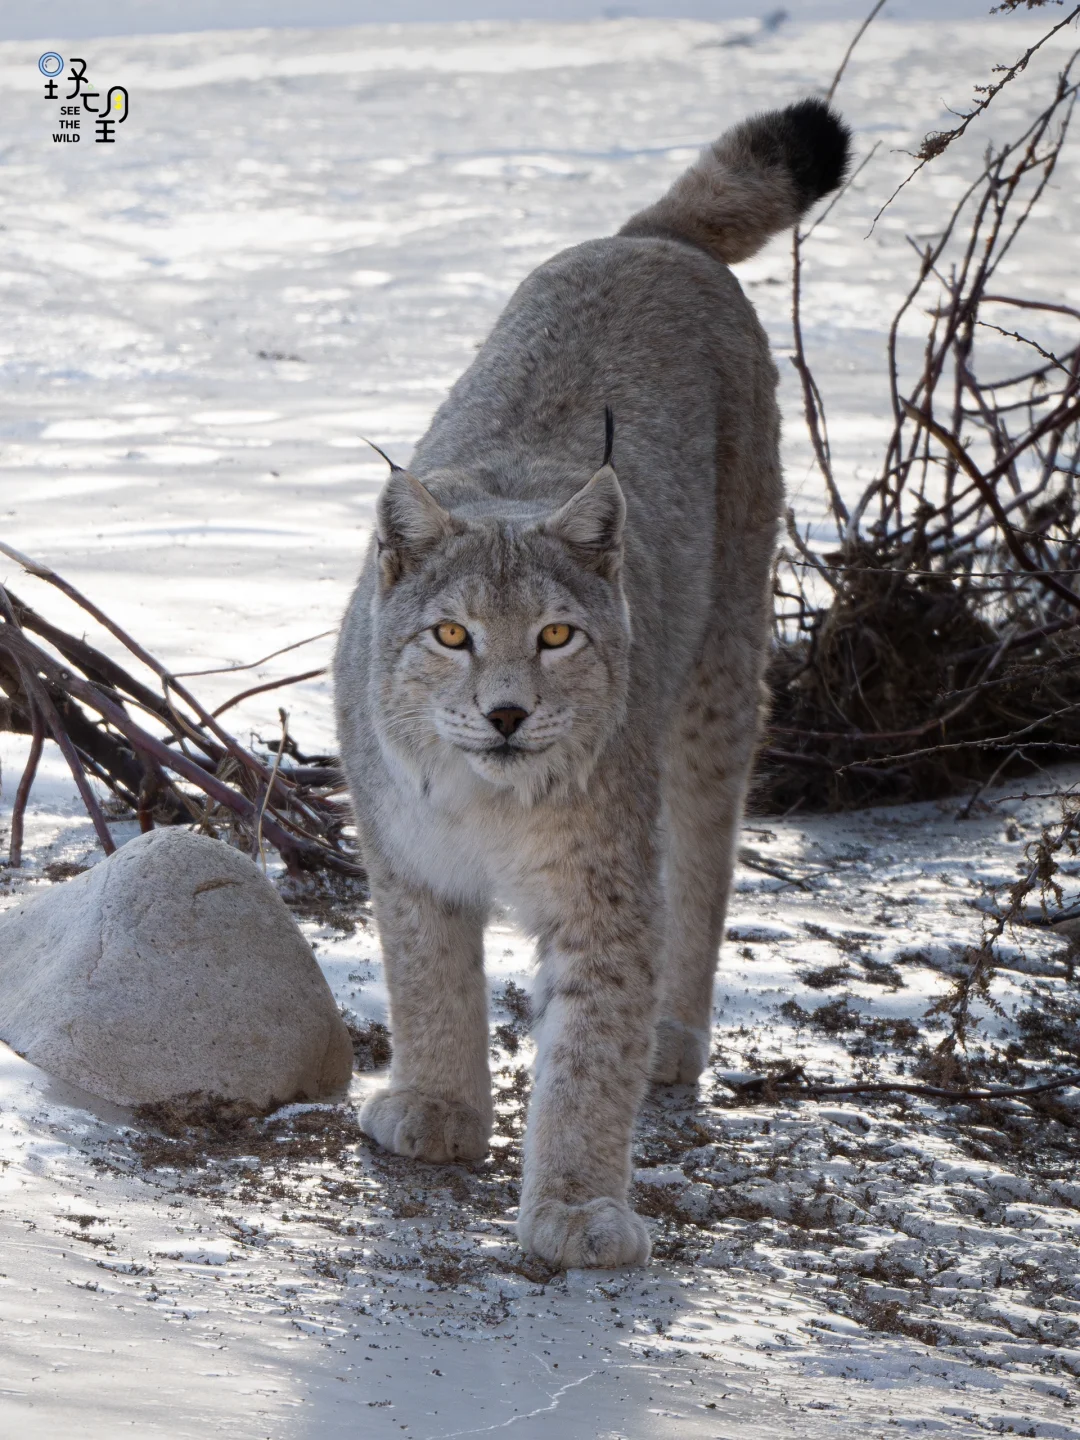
(507, 718)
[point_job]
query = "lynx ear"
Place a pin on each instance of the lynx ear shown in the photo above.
(591, 524)
(409, 521)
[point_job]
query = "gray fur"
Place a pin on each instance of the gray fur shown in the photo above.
(611, 826)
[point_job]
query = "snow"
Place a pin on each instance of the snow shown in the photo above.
(298, 241)
(79, 18)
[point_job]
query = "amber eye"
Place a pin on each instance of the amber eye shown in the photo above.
(454, 637)
(554, 637)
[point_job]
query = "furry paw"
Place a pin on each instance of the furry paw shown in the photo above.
(440, 1131)
(680, 1053)
(601, 1234)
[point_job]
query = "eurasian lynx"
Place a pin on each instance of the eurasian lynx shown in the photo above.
(549, 686)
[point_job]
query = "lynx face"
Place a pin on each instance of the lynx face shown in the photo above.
(501, 645)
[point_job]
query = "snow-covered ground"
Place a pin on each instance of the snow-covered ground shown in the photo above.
(298, 239)
(71, 18)
(830, 1268)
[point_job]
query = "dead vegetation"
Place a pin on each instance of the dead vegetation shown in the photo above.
(194, 1132)
(174, 764)
(370, 1042)
(512, 1032)
(936, 644)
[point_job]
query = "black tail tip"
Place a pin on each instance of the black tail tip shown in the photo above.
(811, 141)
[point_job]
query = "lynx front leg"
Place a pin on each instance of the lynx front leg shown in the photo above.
(593, 1043)
(437, 1106)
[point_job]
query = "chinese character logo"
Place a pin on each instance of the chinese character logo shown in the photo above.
(107, 116)
(50, 66)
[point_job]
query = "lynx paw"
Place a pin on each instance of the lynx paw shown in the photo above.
(601, 1234)
(680, 1053)
(440, 1131)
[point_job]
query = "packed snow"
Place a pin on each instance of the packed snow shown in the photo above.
(298, 240)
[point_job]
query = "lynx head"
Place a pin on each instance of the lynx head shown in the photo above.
(500, 640)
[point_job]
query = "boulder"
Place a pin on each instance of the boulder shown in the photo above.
(171, 967)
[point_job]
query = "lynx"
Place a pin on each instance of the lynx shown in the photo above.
(550, 677)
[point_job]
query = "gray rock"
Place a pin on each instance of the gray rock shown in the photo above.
(169, 968)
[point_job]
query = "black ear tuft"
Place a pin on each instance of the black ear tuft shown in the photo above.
(809, 140)
(609, 436)
(381, 453)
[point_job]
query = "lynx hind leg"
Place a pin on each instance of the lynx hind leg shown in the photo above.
(712, 749)
(437, 1106)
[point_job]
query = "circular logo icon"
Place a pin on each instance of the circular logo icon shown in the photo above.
(51, 64)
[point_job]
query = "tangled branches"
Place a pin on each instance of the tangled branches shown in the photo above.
(939, 643)
(1039, 877)
(176, 763)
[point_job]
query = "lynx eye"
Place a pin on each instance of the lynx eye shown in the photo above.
(454, 637)
(554, 637)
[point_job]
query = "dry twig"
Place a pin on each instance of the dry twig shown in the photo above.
(954, 564)
(174, 764)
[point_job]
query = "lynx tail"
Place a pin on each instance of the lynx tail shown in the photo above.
(758, 178)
